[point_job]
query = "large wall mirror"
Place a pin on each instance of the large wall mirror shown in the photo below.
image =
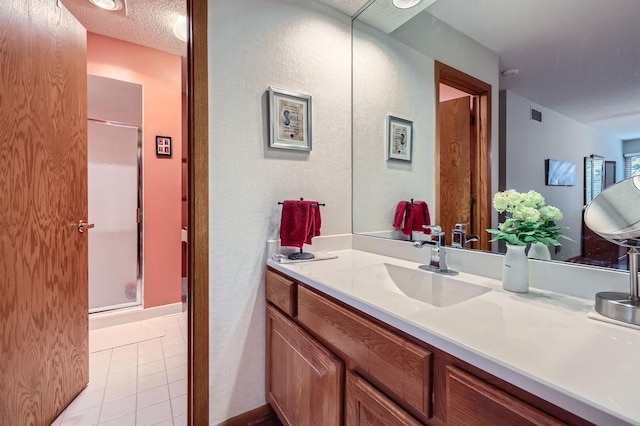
(563, 83)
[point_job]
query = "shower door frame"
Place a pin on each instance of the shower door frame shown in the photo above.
(139, 278)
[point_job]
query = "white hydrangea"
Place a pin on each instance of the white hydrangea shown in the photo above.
(526, 214)
(532, 199)
(506, 200)
(550, 213)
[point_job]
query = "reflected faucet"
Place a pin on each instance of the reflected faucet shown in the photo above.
(438, 262)
(459, 237)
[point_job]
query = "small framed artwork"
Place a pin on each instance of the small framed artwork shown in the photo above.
(163, 146)
(399, 139)
(289, 120)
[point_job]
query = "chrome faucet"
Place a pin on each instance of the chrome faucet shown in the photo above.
(438, 262)
(459, 238)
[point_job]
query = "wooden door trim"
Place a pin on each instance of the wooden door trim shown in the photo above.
(198, 228)
(452, 77)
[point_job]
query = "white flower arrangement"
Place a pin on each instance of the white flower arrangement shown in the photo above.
(531, 220)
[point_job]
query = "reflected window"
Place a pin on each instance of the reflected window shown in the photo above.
(631, 165)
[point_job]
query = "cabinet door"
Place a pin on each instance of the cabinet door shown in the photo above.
(471, 401)
(366, 406)
(304, 379)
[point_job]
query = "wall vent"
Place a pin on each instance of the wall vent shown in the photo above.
(536, 115)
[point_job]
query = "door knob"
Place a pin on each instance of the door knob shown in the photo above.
(82, 225)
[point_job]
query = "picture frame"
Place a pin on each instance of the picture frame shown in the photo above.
(289, 120)
(399, 139)
(163, 146)
(559, 173)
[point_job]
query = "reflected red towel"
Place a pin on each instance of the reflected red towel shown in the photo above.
(300, 222)
(411, 217)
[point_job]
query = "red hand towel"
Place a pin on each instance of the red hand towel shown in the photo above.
(401, 211)
(417, 215)
(300, 222)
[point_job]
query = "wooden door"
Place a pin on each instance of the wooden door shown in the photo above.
(304, 379)
(367, 406)
(455, 164)
(471, 401)
(43, 196)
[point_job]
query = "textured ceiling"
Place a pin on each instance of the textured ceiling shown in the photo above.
(145, 22)
(348, 7)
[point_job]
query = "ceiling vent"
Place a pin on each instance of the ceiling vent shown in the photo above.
(536, 115)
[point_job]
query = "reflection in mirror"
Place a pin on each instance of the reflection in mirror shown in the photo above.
(575, 95)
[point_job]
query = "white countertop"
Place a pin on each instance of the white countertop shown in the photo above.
(541, 341)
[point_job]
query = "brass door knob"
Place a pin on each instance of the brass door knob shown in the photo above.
(82, 225)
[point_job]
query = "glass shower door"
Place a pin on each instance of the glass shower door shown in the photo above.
(114, 195)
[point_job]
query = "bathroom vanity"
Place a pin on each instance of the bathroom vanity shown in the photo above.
(349, 343)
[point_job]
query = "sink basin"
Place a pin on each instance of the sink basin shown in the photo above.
(427, 287)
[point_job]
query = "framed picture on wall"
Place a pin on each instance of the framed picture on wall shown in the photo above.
(163, 146)
(289, 120)
(399, 139)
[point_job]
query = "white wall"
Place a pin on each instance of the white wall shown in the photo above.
(558, 137)
(297, 45)
(389, 78)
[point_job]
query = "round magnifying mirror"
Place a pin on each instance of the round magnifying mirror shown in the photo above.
(615, 215)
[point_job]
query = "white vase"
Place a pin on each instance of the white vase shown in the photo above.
(539, 251)
(515, 272)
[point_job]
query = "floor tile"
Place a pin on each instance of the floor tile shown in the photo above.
(87, 399)
(153, 396)
(174, 350)
(123, 376)
(147, 346)
(151, 368)
(165, 423)
(95, 383)
(154, 414)
(118, 408)
(176, 361)
(180, 420)
(120, 391)
(58, 421)
(126, 351)
(177, 373)
(123, 364)
(126, 420)
(82, 418)
(152, 381)
(179, 405)
(178, 388)
(173, 341)
(147, 357)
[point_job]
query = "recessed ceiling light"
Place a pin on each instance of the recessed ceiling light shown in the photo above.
(405, 4)
(511, 72)
(106, 4)
(180, 28)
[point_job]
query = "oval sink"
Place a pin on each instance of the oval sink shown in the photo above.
(428, 287)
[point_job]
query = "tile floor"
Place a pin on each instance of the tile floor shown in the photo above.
(139, 384)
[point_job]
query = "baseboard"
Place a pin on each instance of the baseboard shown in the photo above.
(259, 416)
(129, 315)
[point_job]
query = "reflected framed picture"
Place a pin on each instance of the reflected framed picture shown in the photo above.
(163, 146)
(559, 173)
(399, 139)
(289, 120)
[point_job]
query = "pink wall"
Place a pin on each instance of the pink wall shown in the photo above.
(160, 75)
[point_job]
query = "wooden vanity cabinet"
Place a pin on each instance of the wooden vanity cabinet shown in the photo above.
(304, 379)
(378, 375)
(367, 406)
(474, 401)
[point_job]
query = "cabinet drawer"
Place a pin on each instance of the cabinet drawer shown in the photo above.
(281, 292)
(473, 401)
(398, 367)
(366, 406)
